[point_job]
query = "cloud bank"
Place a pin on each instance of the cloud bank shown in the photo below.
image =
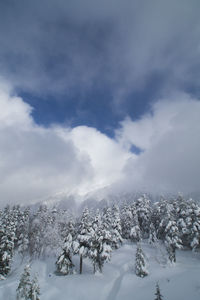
(37, 162)
(170, 139)
(71, 47)
(113, 54)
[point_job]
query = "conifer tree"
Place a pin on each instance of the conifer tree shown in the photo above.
(172, 240)
(23, 232)
(127, 221)
(165, 216)
(85, 232)
(135, 233)
(40, 227)
(100, 244)
(34, 291)
(158, 293)
(107, 218)
(37, 233)
(6, 253)
(7, 239)
(23, 289)
(143, 210)
(116, 229)
(64, 261)
(195, 226)
(140, 263)
(152, 235)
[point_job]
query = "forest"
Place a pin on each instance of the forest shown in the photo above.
(27, 232)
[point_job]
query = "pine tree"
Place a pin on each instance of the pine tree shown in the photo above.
(143, 210)
(6, 253)
(107, 218)
(135, 233)
(152, 235)
(23, 289)
(7, 239)
(34, 291)
(140, 263)
(165, 215)
(23, 232)
(157, 293)
(195, 226)
(172, 240)
(40, 227)
(85, 232)
(36, 234)
(190, 224)
(100, 244)
(155, 216)
(65, 222)
(116, 229)
(127, 221)
(64, 261)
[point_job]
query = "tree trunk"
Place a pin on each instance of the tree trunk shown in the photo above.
(100, 266)
(81, 263)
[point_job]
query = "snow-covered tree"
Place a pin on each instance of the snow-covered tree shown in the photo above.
(6, 252)
(158, 293)
(172, 240)
(107, 218)
(127, 221)
(155, 215)
(143, 210)
(195, 226)
(38, 224)
(23, 232)
(34, 291)
(152, 235)
(27, 289)
(100, 244)
(64, 261)
(164, 209)
(116, 229)
(85, 231)
(23, 289)
(7, 240)
(135, 233)
(42, 229)
(140, 263)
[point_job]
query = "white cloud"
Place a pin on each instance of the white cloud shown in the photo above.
(123, 43)
(36, 162)
(170, 137)
(106, 156)
(13, 112)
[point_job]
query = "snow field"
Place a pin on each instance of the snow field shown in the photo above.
(180, 281)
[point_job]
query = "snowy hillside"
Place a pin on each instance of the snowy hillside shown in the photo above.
(179, 281)
(124, 252)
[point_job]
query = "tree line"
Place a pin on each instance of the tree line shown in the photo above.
(95, 234)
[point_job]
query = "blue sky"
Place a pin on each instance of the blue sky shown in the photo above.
(94, 63)
(95, 109)
(114, 73)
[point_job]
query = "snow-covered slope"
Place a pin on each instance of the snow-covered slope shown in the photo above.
(118, 281)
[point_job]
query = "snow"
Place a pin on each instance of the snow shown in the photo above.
(180, 281)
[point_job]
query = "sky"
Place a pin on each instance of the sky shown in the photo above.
(99, 95)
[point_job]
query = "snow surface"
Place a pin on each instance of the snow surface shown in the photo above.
(180, 281)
